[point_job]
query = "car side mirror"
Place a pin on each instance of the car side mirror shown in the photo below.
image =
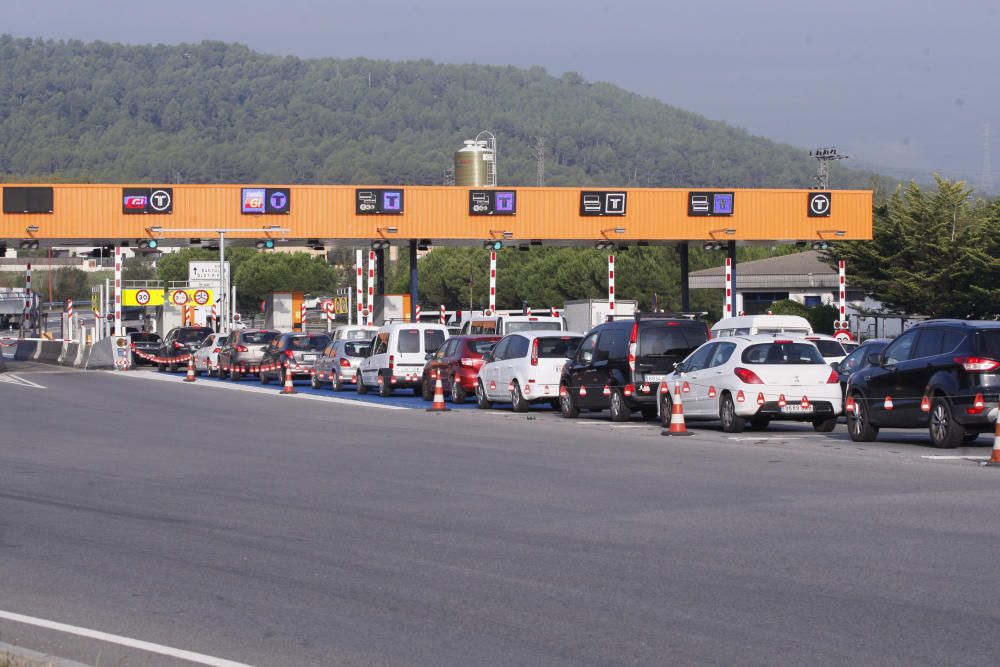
(487, 357)
(428, 356)
(679, 367)
(835, 365)
(876, 359)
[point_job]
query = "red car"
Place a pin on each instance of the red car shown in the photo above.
(458, 361)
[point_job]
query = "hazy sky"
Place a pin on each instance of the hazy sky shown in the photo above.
(900, 85)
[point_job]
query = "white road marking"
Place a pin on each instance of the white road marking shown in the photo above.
(944, 457)
(180, 654)
(143, 375)
(10, 378)
(762, 437)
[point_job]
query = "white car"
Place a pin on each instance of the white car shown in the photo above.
(206, 357)
(524, 368)
(755, 379)
(355, 332)
(397, 355)
(831, 348)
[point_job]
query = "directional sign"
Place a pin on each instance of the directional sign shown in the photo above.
(147, 200)
(492, 202)
(279, 200)
(378, 201)
(265, 200)
(710, 203)
(819, 205)
(594, 202)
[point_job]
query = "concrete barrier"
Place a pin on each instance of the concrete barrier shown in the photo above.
(25, 350)
(70, 354)
(49, 352)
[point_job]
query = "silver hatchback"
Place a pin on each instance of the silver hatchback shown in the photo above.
(339, 363)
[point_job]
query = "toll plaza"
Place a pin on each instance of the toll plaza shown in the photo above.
(149, 216)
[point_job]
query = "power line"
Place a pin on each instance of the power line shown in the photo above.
(824, 156)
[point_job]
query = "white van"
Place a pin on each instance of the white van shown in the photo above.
(397, 356)
(502, 325)
(749, 325)
(355, 332)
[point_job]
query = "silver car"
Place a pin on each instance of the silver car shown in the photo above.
(339, 363)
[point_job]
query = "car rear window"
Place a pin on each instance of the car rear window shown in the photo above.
(359, 334)
(355, 349)
(829, 348)
(552, 347)
(258, 337)
(309, 342)
(145, 338)
(781, 352)
(480, 346)
(192, 335)
(409, 341)
(433, 339)
(989, 343)
(543, 325)
(670, 340)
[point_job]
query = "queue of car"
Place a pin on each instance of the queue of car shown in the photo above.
(943, 375)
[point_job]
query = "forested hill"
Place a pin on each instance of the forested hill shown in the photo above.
(216, 112)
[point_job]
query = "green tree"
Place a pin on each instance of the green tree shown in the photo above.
(264, 273)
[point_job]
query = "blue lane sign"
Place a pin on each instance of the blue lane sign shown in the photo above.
(266, 200)
(378, 201)
(711, 203)
(492, 202)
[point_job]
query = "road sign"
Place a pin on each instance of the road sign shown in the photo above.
(711, 203)
(179, 297)
(205, 275)
(147, 200)
(843, 336)
(201, 297)
(142, 297)
(378, 201)
(492, 202)
(593, 202)
(328, 307)
(819, 205)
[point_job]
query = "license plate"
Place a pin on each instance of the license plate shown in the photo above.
(655, 378)
(308, 357)
(796, 409)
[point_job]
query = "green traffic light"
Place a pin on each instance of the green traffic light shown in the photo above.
(152, 244)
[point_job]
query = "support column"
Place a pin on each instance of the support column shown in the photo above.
(413, 281)
(493, 283)
(731, 300)
(358, 294)
(370, 305)
(611, 287)
(682, 252)
(119, 329)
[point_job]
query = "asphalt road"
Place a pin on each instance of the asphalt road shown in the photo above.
(278, 530)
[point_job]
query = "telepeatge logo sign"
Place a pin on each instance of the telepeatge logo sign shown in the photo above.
(147, 200)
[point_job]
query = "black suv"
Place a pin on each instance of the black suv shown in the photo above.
(180, 342)
(941, 374)
(619, 365)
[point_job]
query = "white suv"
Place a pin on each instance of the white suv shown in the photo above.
(397, 356)
(525, 367)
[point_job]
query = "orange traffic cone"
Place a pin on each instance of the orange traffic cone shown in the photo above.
(995, 458)
(677, 425)
(438, 404)
(190, 374)
(289, 387)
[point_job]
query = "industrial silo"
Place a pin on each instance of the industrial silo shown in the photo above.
(475, 164)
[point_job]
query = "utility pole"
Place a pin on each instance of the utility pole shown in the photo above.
(824, 156)
(540, 158)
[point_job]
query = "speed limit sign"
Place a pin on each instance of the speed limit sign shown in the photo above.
(179, 298)
(142, 297)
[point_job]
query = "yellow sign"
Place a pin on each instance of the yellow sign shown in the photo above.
(339, 305)
(191, 297)
(157, 297)
(142, 297)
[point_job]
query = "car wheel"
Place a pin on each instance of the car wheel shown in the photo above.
(666, 409)
(731, 422)
(458, 394)
(616, 404)
(314, 381)
(519, 403)
(385, 389)
(264, 378)
(172, 368)
(760, 423)
(482, 402)
(161, 368)
(566, 407)
(945, 432)
(336, 383)
(426, 389)
(825, 425)
(361, 388)
(859, 424)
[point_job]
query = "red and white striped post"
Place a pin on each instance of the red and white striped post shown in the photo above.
(729, 288)
(370, 306)
(611, 285)
(359, 293)
(27, 298)
(215, 317)
(527, 310)
(554, 311)
(119, 329)
(69, 317)
(441, 317)
(418, 313)
(302, 316)
(842, 270)
(493, 282)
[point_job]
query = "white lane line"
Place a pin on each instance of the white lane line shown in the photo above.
(10, 378)
(149, 647)
(777, 438)
(943, 457)
(254, 390)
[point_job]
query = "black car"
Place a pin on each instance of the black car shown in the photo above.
(148, 343)
(242, 351)
(940, 374)
(857, 360)
(619, 365)
(179, 343)
(297, 351)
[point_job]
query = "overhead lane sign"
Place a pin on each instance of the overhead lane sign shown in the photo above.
(602, 202)
(492, 202)
(711, 203)
(147, 200)
(266, 200)
(142, 297)
(819, 205)
(378, 201)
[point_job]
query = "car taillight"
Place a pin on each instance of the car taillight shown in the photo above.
(834, 378)
(534, 352)
(978, 364)
(747, 376)
(466, 361)
(132, 346)
(392, 361)
(241, 348)
(632, 346)
(344, 363)
(215, 351)
(289, 354)
(178, 346)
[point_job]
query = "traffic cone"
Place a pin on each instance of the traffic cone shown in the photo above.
(190, 374)
(289, 387)
(995, 458)
(677, 425)
(438, 404)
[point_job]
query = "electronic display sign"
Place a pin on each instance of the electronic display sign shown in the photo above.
(710, 203)
(492, 202)
(147, 200)
(819, 205)
(602, 202)
(266, 200)
(27, 199)
(378, 201)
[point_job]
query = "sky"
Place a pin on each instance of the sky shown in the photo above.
(905, 87)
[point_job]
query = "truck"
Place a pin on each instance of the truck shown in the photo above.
(585, 314)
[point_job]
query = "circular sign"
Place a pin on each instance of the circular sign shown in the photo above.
(142, 297)
(819, 204)
(122, 342)
(201, 297)
(328, 306)
(843, 336)
(159, 200)
(179, 298)
(236, 317)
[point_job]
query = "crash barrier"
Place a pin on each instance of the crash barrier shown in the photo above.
(25, 350)
(49, 352)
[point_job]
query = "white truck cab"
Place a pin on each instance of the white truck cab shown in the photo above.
(750, 325)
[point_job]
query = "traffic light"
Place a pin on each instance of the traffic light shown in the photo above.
(494, 244)
(265, 244)
(147, 244)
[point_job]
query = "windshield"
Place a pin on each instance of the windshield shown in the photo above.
(354, 349)
(829, 348)
(258, 337)
(192, 335)
(553, 348)
(481, 347)
(308, 342)
(780, 352)
(145, 338)
(514, 327)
